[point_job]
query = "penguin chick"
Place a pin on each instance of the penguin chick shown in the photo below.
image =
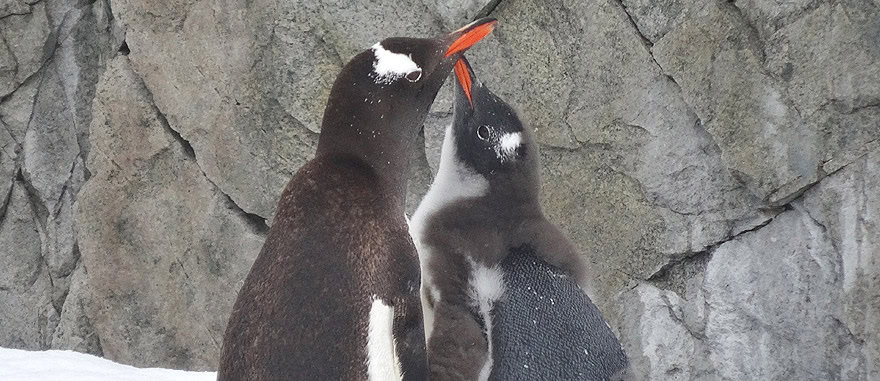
(484, 201)
(333, 293)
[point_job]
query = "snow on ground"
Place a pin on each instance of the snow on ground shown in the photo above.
(19, 365)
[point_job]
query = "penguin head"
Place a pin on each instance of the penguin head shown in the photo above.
(489, 136)
(394, 82)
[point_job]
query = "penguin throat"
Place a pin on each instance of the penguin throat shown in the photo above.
(454, 181)
(386, 151)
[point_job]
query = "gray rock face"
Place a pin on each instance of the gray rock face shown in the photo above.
(829, 60)
(654, 19)
(722, 76)
(791, 300)
(178, 246)
(13, 7)
(57, 50)
(25, 42)
(28, 316)
(715, 162)
(75, 329)
(771, 330)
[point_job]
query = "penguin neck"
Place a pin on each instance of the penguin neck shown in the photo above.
(517, 188)
(386, 147)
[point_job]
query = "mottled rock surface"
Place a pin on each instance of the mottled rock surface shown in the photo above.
(51, 55)
(715, 161)
(165, 249)
(795, 299)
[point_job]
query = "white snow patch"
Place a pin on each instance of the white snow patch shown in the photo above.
(389, 66)
(507, 145)
(382, 361)
(486, 286)
(54, 365)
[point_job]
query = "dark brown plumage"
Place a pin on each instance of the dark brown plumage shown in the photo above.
(339, 241)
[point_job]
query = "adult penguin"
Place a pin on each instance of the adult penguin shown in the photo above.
(334, 293)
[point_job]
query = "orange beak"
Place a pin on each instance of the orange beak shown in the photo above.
(464, 78)
(473, 33)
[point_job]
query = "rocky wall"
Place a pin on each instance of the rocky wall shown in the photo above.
(715, 161)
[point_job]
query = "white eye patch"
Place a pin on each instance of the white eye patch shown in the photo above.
(507, 145)
(389, 66)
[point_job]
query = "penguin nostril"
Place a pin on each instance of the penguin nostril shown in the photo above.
(414, 75)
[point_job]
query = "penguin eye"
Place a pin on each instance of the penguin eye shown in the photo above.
(483, 132)
(414, 75)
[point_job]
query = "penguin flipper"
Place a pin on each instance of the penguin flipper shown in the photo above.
(409, 333)
(401, 282)
(550, 244)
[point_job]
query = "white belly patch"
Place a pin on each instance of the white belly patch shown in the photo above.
(382, 361)
(486, 286)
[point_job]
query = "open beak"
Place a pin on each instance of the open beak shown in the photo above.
(465, 76)
(454, 44)
(470, 34)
